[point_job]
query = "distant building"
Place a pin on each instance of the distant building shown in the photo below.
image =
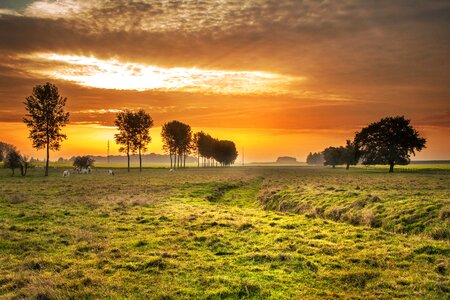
(286, 160)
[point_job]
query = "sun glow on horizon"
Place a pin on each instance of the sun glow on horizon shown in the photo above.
(117, 75)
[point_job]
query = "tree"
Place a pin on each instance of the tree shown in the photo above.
(332, 156)
(225, 152)
(25, 163)
(4, 149)
(177, 141)
(12, 160)
(168, 135)
(83, 162)
(349, 155)
(390, 141)
(45, 118)
(124, 122)
(315, 158)
(142, 122)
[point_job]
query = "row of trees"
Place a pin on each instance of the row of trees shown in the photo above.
(134, 133)
(212, 150)
(179, 142)
(390, 141)
(46, 117)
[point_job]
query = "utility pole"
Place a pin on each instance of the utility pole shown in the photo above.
(107, 155)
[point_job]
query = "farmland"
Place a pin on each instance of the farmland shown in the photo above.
(273, 232)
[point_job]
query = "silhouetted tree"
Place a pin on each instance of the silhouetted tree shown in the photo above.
(168, 135)
(196, 145)
(142, 122)
(12, 159)
(83, 162)
(332, 156)
(315, 158)
(177, 141)
(45, 118)
(390, 141)
(225, 152)
(124, 122)
(349, 155)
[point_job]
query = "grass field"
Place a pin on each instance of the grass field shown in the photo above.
(227, 233)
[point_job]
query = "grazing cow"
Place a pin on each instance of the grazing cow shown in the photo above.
(66, 173)
(111, 172)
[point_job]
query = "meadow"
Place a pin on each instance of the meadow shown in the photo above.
(262, 232)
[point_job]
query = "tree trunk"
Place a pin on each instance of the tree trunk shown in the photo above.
(198, 161)
(175, 160)
(128, 158)
(170, 155)
(140, 160)
(391, 168)
(48, 157)
(334, 166)
(347, 167)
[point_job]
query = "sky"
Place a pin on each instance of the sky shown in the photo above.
(277, 77)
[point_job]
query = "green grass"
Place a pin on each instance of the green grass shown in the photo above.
(233, 233)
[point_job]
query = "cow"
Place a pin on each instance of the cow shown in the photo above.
(66, 173)
(111, 172)
(84, 171)
(171, 170)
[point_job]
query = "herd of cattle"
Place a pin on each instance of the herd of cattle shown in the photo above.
(88, 170)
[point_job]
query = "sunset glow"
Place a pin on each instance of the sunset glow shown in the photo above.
(113, 74)
(277, 77)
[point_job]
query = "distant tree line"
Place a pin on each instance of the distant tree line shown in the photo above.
(390, 141)
(315, 158)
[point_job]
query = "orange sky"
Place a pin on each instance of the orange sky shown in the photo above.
(278, 78)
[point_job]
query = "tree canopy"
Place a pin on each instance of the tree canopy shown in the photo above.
(83, 162)
(45, 118)
(177, 141)
(390, 141)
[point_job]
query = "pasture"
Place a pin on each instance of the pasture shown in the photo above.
(263, 232)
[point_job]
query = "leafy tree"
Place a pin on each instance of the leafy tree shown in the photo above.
(45, 118)
(12, 160)
(349, 155)
(83, 162)
(332, 156)
(225, 152)
(142, 122)
(124, 122)
(4, 149)
(390, 141)
(315, 158)
(177, 141)
(168, 135)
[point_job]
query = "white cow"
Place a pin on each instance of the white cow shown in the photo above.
(111, 172)
(84, 171)
(66, 173)
(171, 170)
